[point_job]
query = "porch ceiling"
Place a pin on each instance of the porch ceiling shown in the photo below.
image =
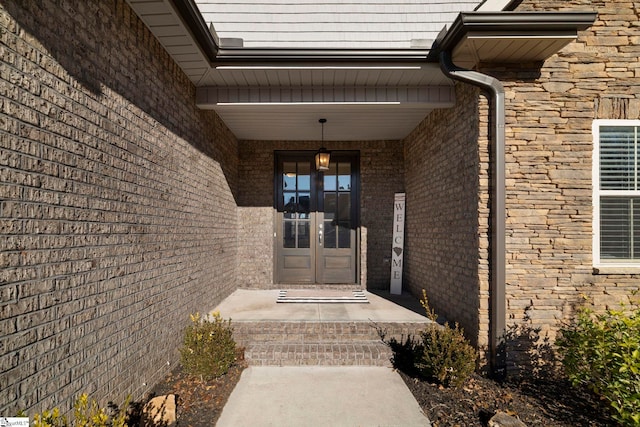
(365, 94)
(360, 102)
(371, 99)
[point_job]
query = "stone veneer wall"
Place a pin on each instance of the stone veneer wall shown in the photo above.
(117, 207)
(381, 176)
(446, 231)
(550, 111)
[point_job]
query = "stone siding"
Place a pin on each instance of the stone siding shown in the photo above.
(446, 232)
(381, 176)
(117, 207)
(550, 111)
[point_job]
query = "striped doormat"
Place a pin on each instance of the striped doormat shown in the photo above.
(317, 296)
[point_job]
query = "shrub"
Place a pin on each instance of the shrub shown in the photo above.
(602, 352)
(441, 354)
(447, 357)
(51, 418)
(209, 348)
(86, 414)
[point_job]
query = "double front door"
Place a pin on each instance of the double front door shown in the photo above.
(316, 219)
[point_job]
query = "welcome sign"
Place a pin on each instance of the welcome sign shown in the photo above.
(397, 250)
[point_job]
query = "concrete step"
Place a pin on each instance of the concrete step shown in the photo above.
(320, 343)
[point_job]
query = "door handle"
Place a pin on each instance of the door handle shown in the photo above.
(320, 234)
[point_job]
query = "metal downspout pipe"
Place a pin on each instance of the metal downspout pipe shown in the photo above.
(497, 272)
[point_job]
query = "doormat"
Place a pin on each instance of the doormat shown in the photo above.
(321, 296)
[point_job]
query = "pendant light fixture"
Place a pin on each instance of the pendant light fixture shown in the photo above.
(322, 156)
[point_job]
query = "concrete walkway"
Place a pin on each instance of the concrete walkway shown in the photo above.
(318, 396)
(321, 396)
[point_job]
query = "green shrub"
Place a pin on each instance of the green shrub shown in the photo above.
(209, 349)
(602, 352)
(447, 357)
(441, 354)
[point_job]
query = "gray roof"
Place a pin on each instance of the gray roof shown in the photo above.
(332, 23)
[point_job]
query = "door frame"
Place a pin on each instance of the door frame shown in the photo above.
(284, 155)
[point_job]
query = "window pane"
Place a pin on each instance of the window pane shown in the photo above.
(289, 234)
(344, 209)
(304, 206)
(619, 228)
(618, 158)
(304, 176)
(330, 206)
(344, 176)
(344, 237)
(289, 201)
(289, 174)
(636, 228)
(304, 240)
(330, 178)
(329, 234)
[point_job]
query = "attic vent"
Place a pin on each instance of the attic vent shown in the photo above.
(225, 42)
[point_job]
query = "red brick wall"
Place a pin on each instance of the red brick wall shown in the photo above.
(117, 205)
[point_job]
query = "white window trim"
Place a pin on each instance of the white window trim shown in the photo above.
(597, 262)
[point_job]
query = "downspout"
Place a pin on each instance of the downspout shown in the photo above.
(497, 272)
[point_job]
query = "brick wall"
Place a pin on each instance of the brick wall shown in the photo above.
(446, 231)
(550, 111)
(117, 207)
(381, 169)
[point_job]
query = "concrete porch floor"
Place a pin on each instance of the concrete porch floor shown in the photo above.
(260, 305)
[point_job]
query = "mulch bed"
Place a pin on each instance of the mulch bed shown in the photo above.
(541, 402)
(549, 403)
(200, 401)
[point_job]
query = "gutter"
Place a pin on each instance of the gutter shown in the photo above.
(261, 55)
(497, 292)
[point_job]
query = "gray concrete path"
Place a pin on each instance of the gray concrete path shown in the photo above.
(321, 396)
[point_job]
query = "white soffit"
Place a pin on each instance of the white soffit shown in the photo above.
(504, 48)
(299, 122)
(285, 101)
(425, 74)
(165, 24)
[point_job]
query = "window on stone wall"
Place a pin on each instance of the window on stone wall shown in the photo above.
(616, 195)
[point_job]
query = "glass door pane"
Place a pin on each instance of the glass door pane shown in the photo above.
(296, 202)
(337, 205)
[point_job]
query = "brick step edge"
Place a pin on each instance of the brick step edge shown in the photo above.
(248, 333)
(319, 354)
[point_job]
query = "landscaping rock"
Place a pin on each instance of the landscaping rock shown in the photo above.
(502, 419)
(160, 411)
